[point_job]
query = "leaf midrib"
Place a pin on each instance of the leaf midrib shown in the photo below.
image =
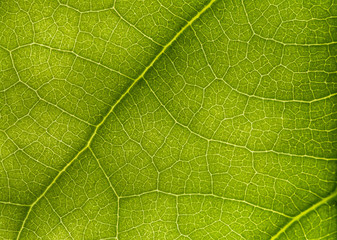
(189, 23)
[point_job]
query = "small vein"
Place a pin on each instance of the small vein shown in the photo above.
(111, 186)
(55, 105)
(14, 204)
(120, 15)
(331, 95)
(208, 195)
(74, 53)
(229, 143)
(100, 166)
(137, 29)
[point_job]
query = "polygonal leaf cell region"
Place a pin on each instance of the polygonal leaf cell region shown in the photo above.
(161, 119)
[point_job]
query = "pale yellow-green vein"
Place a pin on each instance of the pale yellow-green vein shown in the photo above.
(112, 108)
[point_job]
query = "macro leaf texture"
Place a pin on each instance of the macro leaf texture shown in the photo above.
(168, 119)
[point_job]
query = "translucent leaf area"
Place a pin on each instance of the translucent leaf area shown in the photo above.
(168, 119)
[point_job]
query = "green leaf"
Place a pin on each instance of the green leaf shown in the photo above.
(161, 119)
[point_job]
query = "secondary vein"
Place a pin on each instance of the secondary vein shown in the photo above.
(302, 214)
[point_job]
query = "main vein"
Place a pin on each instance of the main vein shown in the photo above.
(302, 214)
(189, 23)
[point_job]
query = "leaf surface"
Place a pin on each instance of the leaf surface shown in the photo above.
(162, 119)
